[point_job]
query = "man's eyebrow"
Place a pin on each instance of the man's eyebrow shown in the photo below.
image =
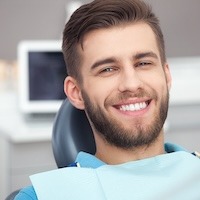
(110, 60)
(145, 54)
(102, 62)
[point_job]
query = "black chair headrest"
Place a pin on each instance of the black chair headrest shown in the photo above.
(72, 133)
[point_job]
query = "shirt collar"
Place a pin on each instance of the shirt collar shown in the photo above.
(170, 148)
(88, 160)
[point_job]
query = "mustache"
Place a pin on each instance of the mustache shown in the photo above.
(140, 93)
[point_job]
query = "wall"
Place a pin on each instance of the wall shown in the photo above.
(180, 24)
(22, 19)
(45, 19)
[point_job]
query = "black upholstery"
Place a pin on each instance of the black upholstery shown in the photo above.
(71, 133)
(12, 195)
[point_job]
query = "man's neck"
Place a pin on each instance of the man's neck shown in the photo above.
(113, 155)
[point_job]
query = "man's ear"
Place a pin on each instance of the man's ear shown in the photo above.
(73, 92)
(168, 76)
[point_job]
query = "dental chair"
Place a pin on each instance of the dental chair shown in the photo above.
(71, 134)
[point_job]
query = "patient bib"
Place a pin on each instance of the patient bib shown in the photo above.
(174, 176)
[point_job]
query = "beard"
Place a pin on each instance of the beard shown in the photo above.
(113, 131)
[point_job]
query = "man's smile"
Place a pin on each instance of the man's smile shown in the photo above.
(130, 107)
(134, 107)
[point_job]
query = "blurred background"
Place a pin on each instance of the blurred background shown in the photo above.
(22, 20)
(25, 140)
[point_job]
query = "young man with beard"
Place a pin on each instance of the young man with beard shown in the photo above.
(118, 74)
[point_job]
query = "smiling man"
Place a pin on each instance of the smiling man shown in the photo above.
(125, 81)
(118, 73)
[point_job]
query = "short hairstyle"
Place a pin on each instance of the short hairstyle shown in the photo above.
(104, 14)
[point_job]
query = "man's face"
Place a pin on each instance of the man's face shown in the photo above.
(125, 87)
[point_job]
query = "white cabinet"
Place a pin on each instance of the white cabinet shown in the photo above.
(25, 146)
(20, 160)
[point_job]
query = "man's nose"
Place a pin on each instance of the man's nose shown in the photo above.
(130, 80)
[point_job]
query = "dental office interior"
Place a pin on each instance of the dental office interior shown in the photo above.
(26, 123)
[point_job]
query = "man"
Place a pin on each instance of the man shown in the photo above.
(118, 73)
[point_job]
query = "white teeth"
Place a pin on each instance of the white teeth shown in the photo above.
(134, 107)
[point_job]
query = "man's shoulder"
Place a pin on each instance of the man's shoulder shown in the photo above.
(27, 193)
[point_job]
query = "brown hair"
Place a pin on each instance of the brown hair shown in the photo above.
(104, 14)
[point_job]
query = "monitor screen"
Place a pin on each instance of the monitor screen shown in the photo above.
(46, 75)
(42, 72)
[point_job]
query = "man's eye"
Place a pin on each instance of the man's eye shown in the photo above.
(108, 69)
(142, 64)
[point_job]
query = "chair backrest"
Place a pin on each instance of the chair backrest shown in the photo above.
(12, 195)
(72, 133)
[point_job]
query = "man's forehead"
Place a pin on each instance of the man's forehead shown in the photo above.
(132, 28)
(116, 41)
